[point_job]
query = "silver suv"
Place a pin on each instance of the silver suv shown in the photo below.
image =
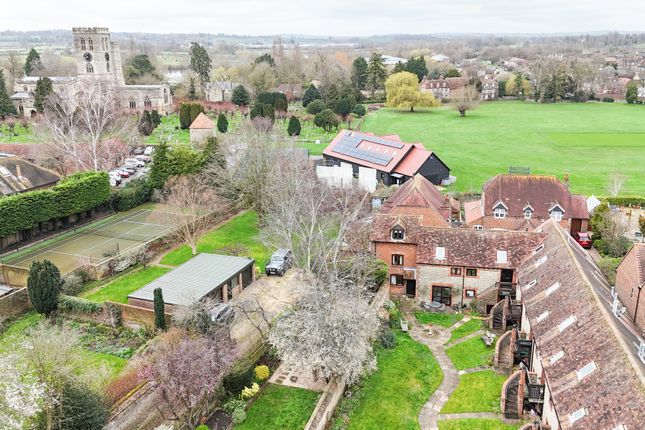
(280, 262)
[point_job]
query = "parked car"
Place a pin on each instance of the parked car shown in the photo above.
(134, 162)
(130, 169)
(583, 239)
(144, 158)
(138, 150)
(280, 262)
(222, 313)
(122, 172)
(149, 150)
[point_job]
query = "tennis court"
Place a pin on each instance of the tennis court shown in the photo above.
(96, 242)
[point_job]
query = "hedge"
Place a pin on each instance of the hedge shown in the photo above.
(626, 201)
(77, 305)
(77, 193)
(135, 193)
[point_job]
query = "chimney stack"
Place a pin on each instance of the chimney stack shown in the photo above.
(565, 179)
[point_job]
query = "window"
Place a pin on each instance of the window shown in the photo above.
(577, 415)
(555, 357)
(499, 213)
(442, 295)
(478, 227)
(90, 44)
(471, 272)
(541, 261)
(567, 322)
(502, 256)
(89, 68)
(146, 102)
(83, 44)
(440, 253)
(398, 233)
(556, 215)
(528, 213)
(552, 289)
(132, 103)
(586, 371)
(542, 316)
(471, 294)
(396, 279)
(397, 260)
(455, 271)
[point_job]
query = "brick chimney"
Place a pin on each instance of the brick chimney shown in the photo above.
(565, 180)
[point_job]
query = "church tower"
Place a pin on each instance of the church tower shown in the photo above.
(96, 55)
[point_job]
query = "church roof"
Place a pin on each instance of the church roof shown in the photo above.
(202, 122)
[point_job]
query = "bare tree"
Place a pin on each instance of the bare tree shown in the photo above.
(186, 371)
(193, 206)
(468, 101)
(86, 126)
(329, 331)
(616, 182)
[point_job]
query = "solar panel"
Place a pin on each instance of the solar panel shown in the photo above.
(348, 145)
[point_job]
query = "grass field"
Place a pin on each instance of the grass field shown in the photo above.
(280, 408)
(476, 392)
(470, 353)
(464, 330)
(241, 231)
(392, 397)
(436, 318)
(476, 424)
(118, 290)
(589, 141)
(19, 135)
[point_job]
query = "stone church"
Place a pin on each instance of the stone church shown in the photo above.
(97, 57)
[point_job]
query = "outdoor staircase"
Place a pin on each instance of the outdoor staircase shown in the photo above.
(510, 396)
(498, 316)
(504, 351)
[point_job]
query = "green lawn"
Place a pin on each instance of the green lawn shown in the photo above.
(392, 397)
(465, 329)
(590, 141)
(280, 408)
(469, 354)
(23, 135)
(436, 318)
(476, 424)
(241, 231)
(476, 392)
(167, 131)
(118, 290)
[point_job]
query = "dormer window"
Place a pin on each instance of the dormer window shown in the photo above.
(499, 213)
(440, 253)
(528, 212)
(398, 233)
(556, 212)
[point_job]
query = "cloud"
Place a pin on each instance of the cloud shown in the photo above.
(330, 17)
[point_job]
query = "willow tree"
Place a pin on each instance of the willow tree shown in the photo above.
(402, 90)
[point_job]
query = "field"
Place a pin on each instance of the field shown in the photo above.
(588, 141)
(96, 241)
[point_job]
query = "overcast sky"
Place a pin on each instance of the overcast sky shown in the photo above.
(329, 17)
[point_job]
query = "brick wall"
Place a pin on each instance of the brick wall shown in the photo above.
(627, 287)
(14, 304)
(384, 251)
(429, 275)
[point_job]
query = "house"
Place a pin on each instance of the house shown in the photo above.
(201, 128)
(490, 88)
(523, 202)
(630, 284)
(18, 175)
(451, 266)
(440, 58)
(443, 88)
(421, 197)
(579, 371)
(291, 91)
(393, 160)
(220, 277)
(220, 91)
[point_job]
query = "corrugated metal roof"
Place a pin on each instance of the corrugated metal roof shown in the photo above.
(194, 279)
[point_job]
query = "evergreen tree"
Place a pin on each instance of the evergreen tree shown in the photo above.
(281, 105)
(155, 117)
(222, 123)
(43, 286)
(200, 62)
(293, 129)
(453, 73)
(44, 87)
(32, 63)
(159, 305)
(417, 66)
(240, 96)
(359, 73)
(195, 110)
(631, 95)
(265, 58)
(184, 115)
(145, 125)
(326, 120)
(137, 67)
(213, 153)
(315, 106)
(376, 73)
(343, 107)
(6, 106)
(310, 95)
(160, 170)
(192, 92)
(399, 67)
(263, 110)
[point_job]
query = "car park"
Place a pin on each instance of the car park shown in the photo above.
(280, 262)
(122, 172)
(144, 158)
(583, 239)
(138, 150)
(149, 150)
(134, 162)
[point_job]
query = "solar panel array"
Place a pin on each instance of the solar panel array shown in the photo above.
(348, 145)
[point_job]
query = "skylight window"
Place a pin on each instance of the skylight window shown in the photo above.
(542, 316)
(541, 261)
(440, 253)
(555, 357)
(566, 323)
(502, 256)
(530, 284)
(586, 371)
(552, 289)
(577, 415)
(539, 248)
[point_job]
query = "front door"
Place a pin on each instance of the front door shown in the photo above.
(411, 288)
(442, 295)
(506, 276)
(576, 226)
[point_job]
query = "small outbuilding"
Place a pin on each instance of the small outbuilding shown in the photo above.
(202, 128)
(220, 277)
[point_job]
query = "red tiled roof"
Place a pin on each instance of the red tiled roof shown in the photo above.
(473, 211)
(613, 393)
(405, 160)
(463, 247)
(201, 122)
(539, 191)
(639, 252)
(419, 193)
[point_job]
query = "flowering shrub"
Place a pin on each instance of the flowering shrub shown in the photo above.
(262, 372)
(238, 416)
(247, 392)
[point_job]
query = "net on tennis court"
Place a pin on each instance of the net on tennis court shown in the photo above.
(141, 233)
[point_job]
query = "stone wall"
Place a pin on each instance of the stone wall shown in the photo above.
(428, 275)
(14, 304)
